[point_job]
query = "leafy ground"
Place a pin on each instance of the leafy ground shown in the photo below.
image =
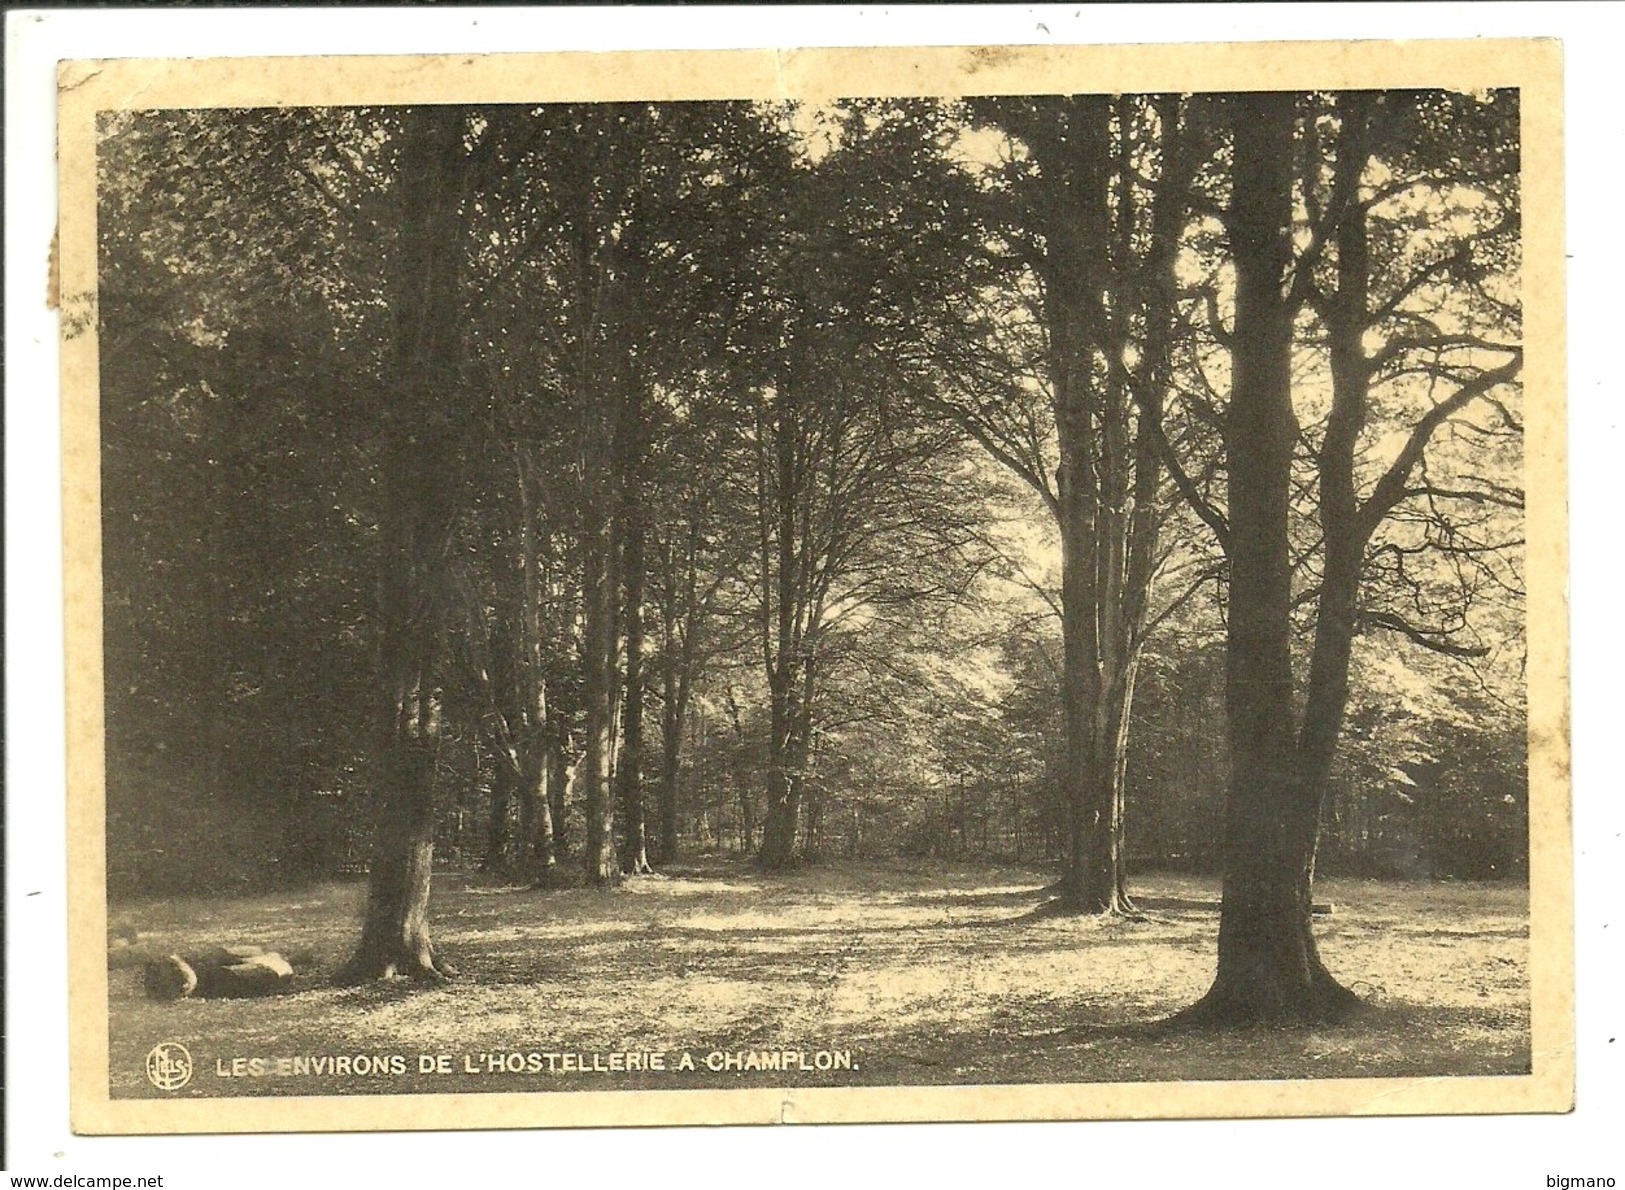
(917, 972)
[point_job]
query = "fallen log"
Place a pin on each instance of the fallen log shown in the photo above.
(226, 972)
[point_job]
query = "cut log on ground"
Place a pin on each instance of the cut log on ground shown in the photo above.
(227, 972)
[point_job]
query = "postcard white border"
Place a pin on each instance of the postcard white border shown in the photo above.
(1470, 1147)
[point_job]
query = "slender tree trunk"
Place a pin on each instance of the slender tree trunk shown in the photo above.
(671, 758)
(630, 449)
(675, 711)
(499, 827)
(1078, 226)
(542, 860)
(747, 814)
(561, 780)
(1347, 316)
(671, 719)
(1159, 310)
(680, 615)
(670, 788)
(1269, 968)
(1110, 305)
(526, 846)
(1121, 705)
(598, 633)
(629, 769)
(815, 819)
(537, 858)
(1114, 466)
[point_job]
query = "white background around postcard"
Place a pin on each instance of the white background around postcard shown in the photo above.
(1485, 1152)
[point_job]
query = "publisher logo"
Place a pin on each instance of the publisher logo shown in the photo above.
(169, 1066)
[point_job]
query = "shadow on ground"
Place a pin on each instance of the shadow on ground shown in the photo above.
(915, 973)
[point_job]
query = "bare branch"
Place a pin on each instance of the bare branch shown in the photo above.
(1505, 497)
(1436, 343)
(1428, 638)
(1208, 574)
(1390, 488)
(1461, 256)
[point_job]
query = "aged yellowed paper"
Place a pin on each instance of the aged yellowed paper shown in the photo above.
(466, 1055)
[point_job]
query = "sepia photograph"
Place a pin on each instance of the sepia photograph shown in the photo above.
(932, 584)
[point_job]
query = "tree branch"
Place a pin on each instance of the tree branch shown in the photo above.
(1428, 638)
(1200, 505)
(1462, 255)
(1390, 489)
(1504, 497)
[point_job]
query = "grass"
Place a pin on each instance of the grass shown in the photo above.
(920, 972)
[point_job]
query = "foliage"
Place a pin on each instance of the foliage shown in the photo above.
(791, 352)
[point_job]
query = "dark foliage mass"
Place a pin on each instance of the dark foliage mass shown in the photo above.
(559, 490)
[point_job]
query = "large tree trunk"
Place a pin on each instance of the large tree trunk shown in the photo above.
(787, 757)
(783, 811)
(783, 647)
(422, 427)
(1269, 968)
(395, 931)
(1089, 881)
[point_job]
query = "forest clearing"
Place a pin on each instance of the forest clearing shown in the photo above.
(925, 972)
(772, 593)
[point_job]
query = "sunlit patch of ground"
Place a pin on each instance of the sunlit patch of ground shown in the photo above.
(917, 972)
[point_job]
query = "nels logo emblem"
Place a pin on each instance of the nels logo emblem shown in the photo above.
(169, 1066)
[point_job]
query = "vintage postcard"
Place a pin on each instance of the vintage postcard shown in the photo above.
(819, 585)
